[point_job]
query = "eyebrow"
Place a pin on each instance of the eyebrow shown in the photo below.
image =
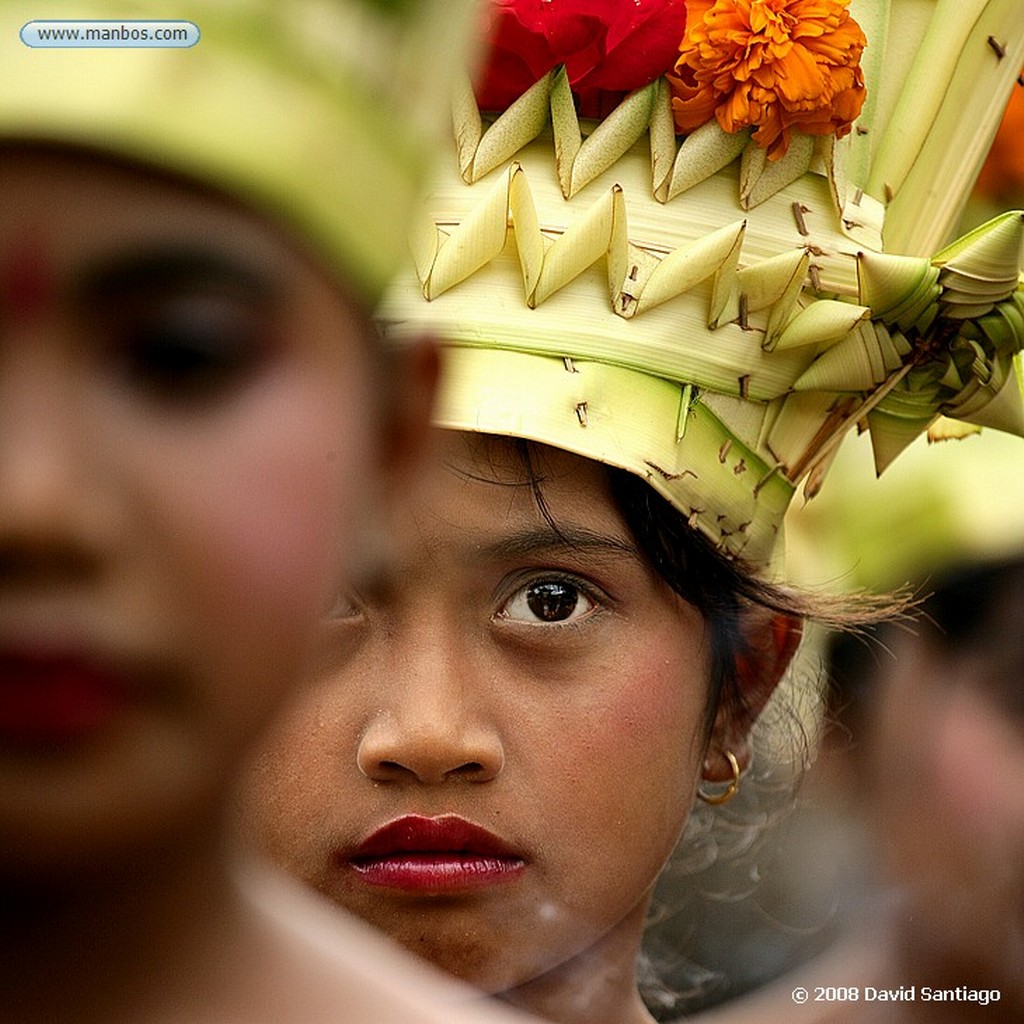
(543, 540)
(159, 269)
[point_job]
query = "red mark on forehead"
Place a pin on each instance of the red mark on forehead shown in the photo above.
(27, 279)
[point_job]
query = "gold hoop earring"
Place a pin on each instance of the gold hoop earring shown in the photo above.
(717, 799)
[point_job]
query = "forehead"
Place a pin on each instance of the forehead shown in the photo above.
(64, 205)
(481, 489)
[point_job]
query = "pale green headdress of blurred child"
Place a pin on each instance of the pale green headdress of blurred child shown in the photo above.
(323, 114)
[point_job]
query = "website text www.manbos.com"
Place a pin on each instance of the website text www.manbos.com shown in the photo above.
(110, 33)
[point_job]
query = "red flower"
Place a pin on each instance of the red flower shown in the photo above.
(608, 47)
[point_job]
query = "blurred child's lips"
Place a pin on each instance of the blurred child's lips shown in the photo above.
(51, 697)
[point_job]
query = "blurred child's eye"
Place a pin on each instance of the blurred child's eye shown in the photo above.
(188, 348)
(548, 601)
(180, 324)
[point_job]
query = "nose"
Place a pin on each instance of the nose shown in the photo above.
(48, 517)
(433, 727)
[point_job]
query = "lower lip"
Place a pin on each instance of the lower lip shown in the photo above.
(438, 872)
(53, 701)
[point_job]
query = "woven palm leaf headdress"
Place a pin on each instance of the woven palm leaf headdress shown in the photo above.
(741, 258)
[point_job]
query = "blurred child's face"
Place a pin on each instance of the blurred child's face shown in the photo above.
(948, 800)
(185, 425)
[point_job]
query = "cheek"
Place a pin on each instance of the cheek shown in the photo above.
(279, 518)
(949, 779)
(629, 756)
(660, 720)
(254, 517)
(303, 789)
(290, 790)
(978, 760)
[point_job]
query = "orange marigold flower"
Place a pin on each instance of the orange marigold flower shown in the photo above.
(772, 64)
(1002, 175)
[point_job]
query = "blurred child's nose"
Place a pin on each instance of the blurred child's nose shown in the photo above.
(47, 494)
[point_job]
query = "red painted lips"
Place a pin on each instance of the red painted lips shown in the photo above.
(435, 855)
(52, 698)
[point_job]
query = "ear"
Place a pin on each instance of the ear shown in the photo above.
(769, 640)
(408, 384)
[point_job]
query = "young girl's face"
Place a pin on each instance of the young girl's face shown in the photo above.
(507, 728)
(184, 424)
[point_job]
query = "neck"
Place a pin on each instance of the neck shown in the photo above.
(113, 942)
(598, 986)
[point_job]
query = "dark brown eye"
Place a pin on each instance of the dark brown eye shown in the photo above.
(187, 348)
(180, 324)
(548, 601)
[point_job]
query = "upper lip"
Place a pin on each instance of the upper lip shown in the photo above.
(49, 695)
(31, 660)
(44, 651)
(447, 833)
